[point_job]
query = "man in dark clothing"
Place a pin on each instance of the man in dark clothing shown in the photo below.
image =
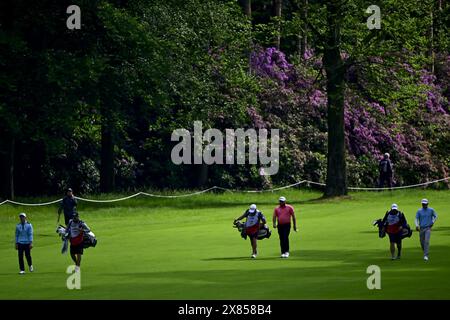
(385, 168)
(68, 205)
(394, 221)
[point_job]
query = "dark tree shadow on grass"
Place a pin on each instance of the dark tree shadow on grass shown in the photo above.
(413, 256)
(343, 277)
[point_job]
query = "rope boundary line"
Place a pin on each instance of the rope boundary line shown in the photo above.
(216, 188)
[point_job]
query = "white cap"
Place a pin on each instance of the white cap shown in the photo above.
(252, 208)
(387, 154)
(424, 201)
(22, 215)
(283, 199)
(394, 206)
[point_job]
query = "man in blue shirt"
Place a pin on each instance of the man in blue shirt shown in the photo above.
(24, 242)
(425, 219)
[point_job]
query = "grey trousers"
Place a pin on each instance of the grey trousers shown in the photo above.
(425, 234)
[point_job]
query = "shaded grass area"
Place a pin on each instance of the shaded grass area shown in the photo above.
(186, 248)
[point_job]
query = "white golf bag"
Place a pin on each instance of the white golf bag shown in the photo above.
(61, 231)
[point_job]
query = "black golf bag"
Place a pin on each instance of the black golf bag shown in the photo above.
(263, 233)
(89, 239)
(406, 231)
(381, 229)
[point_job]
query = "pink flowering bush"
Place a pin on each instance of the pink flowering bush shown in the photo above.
(410, 123)
(271, 63)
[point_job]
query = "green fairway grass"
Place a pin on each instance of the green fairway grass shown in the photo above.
(186, 248)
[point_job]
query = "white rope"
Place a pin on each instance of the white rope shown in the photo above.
(217, 188)
(381, 189)
(317, 183)
(264, 190)
(178, 195)
(402, 187)
(108, 201)
(146, 194)
(30, 204)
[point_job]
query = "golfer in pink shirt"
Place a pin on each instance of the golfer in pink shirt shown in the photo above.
(282, 214)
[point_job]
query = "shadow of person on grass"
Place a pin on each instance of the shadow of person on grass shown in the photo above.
(355, 257)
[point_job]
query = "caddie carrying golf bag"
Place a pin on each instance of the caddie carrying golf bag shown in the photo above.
(89, 239)
(264, 231)
(406, 229)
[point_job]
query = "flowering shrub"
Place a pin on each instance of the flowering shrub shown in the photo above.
(256, 118)
(411, 122)
(271, 63)
(434, 101)
(125, 168)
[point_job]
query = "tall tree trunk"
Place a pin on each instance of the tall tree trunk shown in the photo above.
(431, 52)
(11, 169)
(440, 29)
(248, 8)
(303, 41)
(278, 5)
(248, 13)
(336, 182)
(203, 175)
(107, 155)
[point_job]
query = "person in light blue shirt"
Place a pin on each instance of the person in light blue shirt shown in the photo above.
(425, 219)
(24, 242)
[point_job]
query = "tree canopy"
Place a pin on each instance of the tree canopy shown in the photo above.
(94, 108)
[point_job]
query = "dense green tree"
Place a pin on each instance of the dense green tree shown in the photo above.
(95, 108)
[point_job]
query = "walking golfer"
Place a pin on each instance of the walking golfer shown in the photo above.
(425, 219)
(68, 205)
(394, 221)
(282, 214)
(252, 225)
(24, 242)
(76, 230)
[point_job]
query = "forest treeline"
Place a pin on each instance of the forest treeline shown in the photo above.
(95, 108)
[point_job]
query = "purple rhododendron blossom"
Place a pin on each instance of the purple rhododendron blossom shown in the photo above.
(372, 126)
(377, 107)
(309, 53)
(271, 63)
(256, 118)
(317, 98)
